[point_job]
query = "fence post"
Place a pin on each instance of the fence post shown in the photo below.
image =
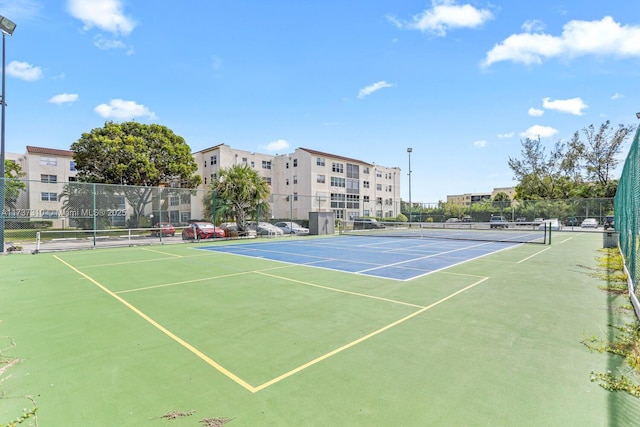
(95, 212)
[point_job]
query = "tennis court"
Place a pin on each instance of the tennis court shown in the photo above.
(487, 335)
(397, 259)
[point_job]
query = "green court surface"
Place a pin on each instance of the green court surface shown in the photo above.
(121, 337)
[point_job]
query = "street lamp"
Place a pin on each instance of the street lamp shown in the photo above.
(409, 150)
(6, 26)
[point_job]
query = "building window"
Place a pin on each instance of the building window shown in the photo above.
(353, 201)
(295, 197)
(286, 165)
(389, 188)
(337, 167)
(320, 161)
(253, 164)
(185, 199)
(174, 200)
(365, 199)
(72, 166)
(379, 174)
(379, 187)
(353, 171)
(295, 163)
(48, 161)
(365, 169)
(338, 214)
(320, 179)
(286, 181)
(353, 186)
(214, 176)
(205, 163)
(49, 214)
(266, 164)
(48, 197)
(338, 200)
(214, 160)
(365, 184)
(295, 179)
(338, 182)
(244, 160)
(49, 179)
(267, 179)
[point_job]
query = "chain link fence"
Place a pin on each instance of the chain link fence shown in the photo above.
(101, 214)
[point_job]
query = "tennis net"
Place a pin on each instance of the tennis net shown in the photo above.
(523, 232)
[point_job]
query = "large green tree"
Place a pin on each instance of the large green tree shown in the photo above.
(238, 193)
(137, 155)
(13, 185)
(579, 168)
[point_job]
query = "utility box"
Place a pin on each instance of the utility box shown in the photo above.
(610, 239)
(321, 223)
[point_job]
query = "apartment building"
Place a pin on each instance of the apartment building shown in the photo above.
(313, 181)
(469, 198)
(301, 182)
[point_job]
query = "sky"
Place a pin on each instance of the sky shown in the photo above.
(461, 82)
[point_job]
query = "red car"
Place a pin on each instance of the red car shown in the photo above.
(203, 230)
(163, 228)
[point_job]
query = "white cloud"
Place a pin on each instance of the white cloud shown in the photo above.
(506, 135)
(106, 15)
(617, 96)
(605, 37)
(279, 145)
(535, 112)
(105, 44)
(373, 88)
(124, 110)
(445, 15)
(64, 98)
(532, 26)
(572, 106)
(480, 144)
(538, 131)
(24, 71)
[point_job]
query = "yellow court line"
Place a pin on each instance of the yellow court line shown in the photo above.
(160, 252)
(364, 338)
(338, 290)
(165, 331)
(140, 261)
(183, 282)
(531, 256)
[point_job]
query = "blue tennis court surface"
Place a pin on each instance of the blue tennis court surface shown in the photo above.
(391, 258)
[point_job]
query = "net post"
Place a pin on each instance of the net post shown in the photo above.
(549, 225)
(95, 211)
(159, 213)
(38, 242)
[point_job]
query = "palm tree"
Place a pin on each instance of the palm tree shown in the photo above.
(238, 191)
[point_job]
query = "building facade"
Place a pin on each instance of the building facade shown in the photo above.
(312, 181)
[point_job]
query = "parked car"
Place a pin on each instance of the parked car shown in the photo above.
(551, 224)
(265, 229)
(498, 221)
(589, 223)
(538, 220)
(164, 229)
(290, 227)
(231, 230)
(203, 230)
(466, 218)
(571, 221)
(609, 222)
(452, 220)
(366, 223)
(521, 219)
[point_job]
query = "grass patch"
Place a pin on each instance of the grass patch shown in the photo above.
(626, 338)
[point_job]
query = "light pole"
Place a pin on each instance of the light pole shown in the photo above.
(409, 150)
(6, 26)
